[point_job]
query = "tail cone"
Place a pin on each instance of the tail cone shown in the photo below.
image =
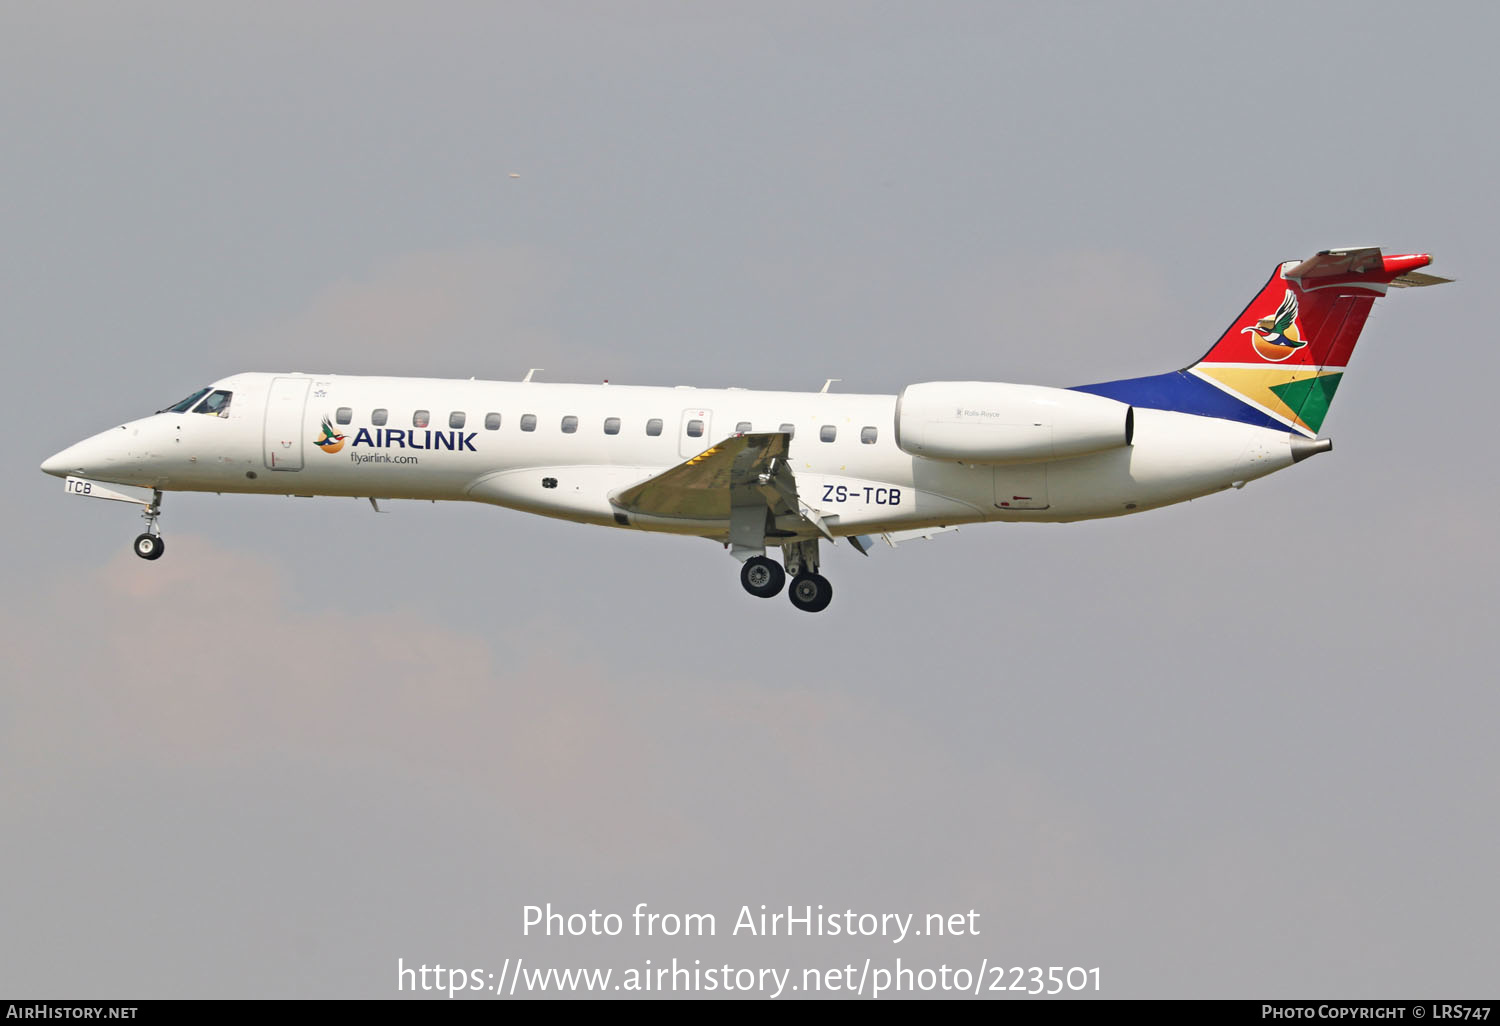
(1302, 448)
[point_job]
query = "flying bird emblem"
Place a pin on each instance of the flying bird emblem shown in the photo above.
(331, 441)
(1276, 337)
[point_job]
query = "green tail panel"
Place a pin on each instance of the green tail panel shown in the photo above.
(1309, 398)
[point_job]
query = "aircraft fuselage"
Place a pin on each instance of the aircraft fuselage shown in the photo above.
(561, 450)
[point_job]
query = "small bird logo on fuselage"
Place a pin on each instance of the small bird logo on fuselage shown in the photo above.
(331, 441)
(1276, 337)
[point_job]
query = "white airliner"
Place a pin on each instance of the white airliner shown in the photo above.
(758, 470)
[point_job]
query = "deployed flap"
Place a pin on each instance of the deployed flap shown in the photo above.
(746, 470)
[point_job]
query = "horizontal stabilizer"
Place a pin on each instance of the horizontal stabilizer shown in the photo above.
(1365, 264)
(1333, 262)
(1416, 280)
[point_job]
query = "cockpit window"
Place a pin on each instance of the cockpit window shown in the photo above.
(216, 405)
(186, 404)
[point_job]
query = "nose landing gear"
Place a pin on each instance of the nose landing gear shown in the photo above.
(149, 544)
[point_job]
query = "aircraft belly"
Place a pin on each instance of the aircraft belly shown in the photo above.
(1174, 457)
(565, 492)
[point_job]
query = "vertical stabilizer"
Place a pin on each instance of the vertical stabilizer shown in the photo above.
(1281, 361)
(1287, 352)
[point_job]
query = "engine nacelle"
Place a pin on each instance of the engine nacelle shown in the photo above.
(995, 423)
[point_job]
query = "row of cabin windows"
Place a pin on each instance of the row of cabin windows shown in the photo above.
(457, 419)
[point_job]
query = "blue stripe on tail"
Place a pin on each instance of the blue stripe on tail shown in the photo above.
(1182, 392)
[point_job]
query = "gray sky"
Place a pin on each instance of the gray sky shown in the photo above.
(1240, 747)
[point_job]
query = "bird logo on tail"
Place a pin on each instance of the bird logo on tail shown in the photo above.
(331, 441)
(1276, 337)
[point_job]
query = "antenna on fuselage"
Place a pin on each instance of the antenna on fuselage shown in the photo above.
(827, 383)
(531, 372)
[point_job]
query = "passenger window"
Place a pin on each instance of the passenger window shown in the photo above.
(528, 422)
(216, 405)
(611, 425)
(653, 426)
(492, 422)
(742, 428)
(569, 425)
(867, 435)
(456, 419)
(344, 415)
(828, 432)
(695, 429)
(378, 417)
(789, 430)
(420, 418)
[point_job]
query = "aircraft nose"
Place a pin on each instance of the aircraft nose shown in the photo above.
(99, 456)
(63, 463)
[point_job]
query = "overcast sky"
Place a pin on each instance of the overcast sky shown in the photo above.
(1237, 748)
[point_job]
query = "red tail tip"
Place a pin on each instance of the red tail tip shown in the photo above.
(1365, 265)
(1401, 263)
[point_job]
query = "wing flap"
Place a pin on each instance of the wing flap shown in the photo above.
(744, 470)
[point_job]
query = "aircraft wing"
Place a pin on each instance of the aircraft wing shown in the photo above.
(744, 479)
(703, 487)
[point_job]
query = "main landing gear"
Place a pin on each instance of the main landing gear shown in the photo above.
(810, 590)
(762, 577)
(811, 593)
(149, 544)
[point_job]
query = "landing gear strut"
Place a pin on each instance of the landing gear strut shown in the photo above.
(149, 544)
(810, 590)
(762, 577)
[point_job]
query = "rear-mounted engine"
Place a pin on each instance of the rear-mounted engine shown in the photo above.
(997, 423)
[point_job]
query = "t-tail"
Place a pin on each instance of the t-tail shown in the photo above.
(1281, 361)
